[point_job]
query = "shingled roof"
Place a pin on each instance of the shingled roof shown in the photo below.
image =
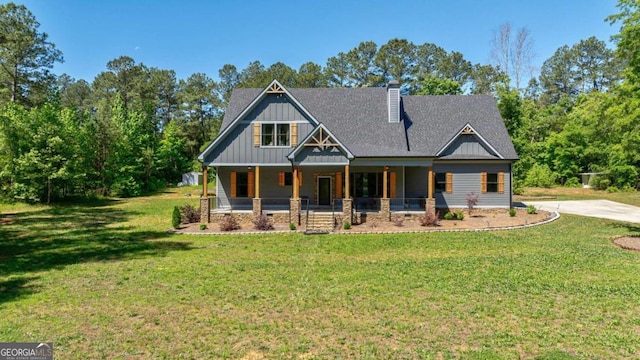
(359, 118)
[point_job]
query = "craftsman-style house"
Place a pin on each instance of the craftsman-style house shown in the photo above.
(357, 151)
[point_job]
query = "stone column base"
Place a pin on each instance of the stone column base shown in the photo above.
(347, 210)
(205, 214)
(257, 207)
(431, 204)
(385, 209)
(294, 209)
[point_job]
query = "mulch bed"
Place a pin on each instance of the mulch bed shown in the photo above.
(481, 219)
(631, 242)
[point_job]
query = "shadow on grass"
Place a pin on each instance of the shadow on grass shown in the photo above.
(35, 241)
(632, 228)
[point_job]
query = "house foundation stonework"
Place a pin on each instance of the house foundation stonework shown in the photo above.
(347, 211)
(205, 213)
(294, 210)
(385, 209)
(257, 207)
(365, 154)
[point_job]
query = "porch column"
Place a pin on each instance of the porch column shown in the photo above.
(385, 202)
(296, 190)
(430, 183)
(204, 198)
(295, 203)
(431, 202)
(257, 191)
(346, 182)
(347, 205)
(205, 182)
(385, 175)
(257, 201)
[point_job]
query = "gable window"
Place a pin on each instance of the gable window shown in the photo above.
(275, 135)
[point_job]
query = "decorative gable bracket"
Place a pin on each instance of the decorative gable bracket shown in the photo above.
(320, 138)
(275, 88)
(468, 130)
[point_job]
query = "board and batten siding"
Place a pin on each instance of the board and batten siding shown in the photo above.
(467, 145)
(314, 155)
(238, 146)
(275, 108)
(467, 178)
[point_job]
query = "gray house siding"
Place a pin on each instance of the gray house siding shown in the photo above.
(416, 184)
(467, 145)
(275, 107)
(238, 146)
(466, 178)
(314, 155)
(269, 183)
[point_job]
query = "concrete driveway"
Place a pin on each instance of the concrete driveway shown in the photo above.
(595, 208)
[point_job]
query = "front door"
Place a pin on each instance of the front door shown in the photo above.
(324, 190)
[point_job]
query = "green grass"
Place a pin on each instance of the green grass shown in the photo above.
(106, 280)
(563, 193)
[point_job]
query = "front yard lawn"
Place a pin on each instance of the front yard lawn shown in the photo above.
(105, 280)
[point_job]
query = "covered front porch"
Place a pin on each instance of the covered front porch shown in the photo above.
(347, 190)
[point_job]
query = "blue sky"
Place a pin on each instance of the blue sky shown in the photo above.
(202, 36)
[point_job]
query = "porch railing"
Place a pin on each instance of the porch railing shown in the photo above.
(408, 204)
(276, 203)
(243, 203)
(367, 204)
(246, 203)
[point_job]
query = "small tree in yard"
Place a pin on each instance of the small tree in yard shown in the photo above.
(176, 217)
(472, 200)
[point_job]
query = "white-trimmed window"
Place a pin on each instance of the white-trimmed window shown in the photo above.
(275, 135)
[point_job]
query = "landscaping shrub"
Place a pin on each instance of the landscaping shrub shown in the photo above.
(203, 226)
(599, 182)
(262, 222)
(573, 182)
(531, 210)
(229, 223)
(398, 221)
(430, 218)
(292, 226)
(190, 214)
(449, 216)
(459, 214)
(176, 218)
(346, 225)
(512, 212)
(472, 200)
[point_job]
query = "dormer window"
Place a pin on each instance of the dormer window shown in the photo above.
(276, 135)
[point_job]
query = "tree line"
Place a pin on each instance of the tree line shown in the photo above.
(134, 128)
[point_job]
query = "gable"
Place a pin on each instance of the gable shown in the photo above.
(320, 147)
(236, 144)
(275, 108)
(468, 146)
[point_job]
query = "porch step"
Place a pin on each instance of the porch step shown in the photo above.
(320, 222)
